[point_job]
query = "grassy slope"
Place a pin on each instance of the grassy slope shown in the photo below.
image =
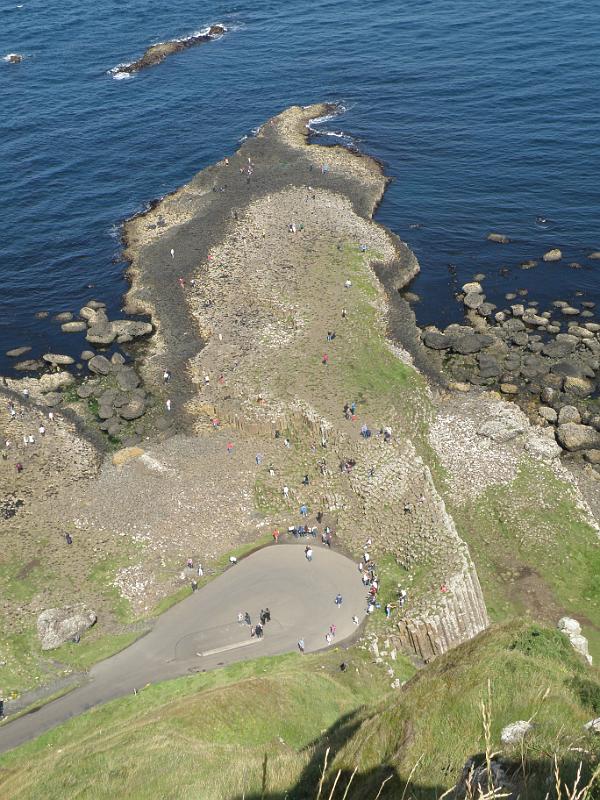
(204, 736)
(437, 719)
(534, 551)
(211, 735)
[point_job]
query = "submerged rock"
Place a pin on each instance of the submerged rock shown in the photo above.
(499, 238)
(73, 327)
(17, 351)
(57, 358)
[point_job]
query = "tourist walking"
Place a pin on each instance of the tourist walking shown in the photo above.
(338, 600)
(308, 553)
(247, 619)
(286, 492)
(275, 535)
(301, 645)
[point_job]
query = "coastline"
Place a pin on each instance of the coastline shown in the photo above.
(269, 246)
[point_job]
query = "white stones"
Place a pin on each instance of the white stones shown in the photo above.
(515, 732)
(572, 629)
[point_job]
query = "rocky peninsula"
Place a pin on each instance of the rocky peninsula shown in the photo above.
(277, 367)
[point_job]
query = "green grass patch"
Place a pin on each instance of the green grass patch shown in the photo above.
(534, 550)
(218, 724)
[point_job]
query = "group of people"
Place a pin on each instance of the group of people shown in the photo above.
(257, 630)
(29, 439)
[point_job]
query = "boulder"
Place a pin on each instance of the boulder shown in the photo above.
(486, 309)
(16, 58)
(64, 316)
(101, 333)
(592, 456)
(509, 388)
(131, 328)
(547, 413)
(558, 349)
(73, 327)
(29, 365)
(132, 410)
(99, 365)
(595, 256)
(489, 367)
(471, 343)
(157, 53)
(518, 309)
(53, 399)
(542, 448)
(117, 359)
(436, 340)
(573, 437)
(473, 300)
(593, 726)
(57, 358)
(472, 287)
(17, 352)
(87, 313)
(579, 387)
(84, 391)
(569, 414)
(515, 732)
(513, 325)
(55, 626)
(96, 304)
(548, 395)
(55, 381)
(87, 354)
(501, 430)
(572, 369)
(520, 339)
(499, 238)
(553, 255)
(127, 378)
(529, 264)
(569, 311)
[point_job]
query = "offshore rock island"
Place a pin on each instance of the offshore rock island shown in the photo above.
(284, 384)
(156, 53)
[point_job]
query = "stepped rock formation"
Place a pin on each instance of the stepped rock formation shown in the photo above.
(263, 269)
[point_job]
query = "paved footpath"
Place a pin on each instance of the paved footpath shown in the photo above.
(202, 632)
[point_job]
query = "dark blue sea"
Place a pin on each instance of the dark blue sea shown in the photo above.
(486, 116)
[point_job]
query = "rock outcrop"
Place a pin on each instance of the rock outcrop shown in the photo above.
(157, 53)
(55, 626)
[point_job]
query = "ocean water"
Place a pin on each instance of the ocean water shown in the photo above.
(485, 115)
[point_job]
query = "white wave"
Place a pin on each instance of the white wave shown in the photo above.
(120, 76)
(9, 56)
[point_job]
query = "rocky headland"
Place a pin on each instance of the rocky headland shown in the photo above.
(276, 351)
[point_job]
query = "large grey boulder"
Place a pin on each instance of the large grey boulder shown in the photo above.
(131, 328)
(436, 340)
(101, 333)
(501, 430)
(100, 365)
(569, 414)
(132, 410)
(73, 327)
(515, 732)
(471, 343)
(575, 437)
(16, 352)
(58, 358)
(55, 381)
(55, 626)
(473, 300)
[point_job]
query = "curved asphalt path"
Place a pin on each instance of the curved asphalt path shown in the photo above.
(202, 632)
